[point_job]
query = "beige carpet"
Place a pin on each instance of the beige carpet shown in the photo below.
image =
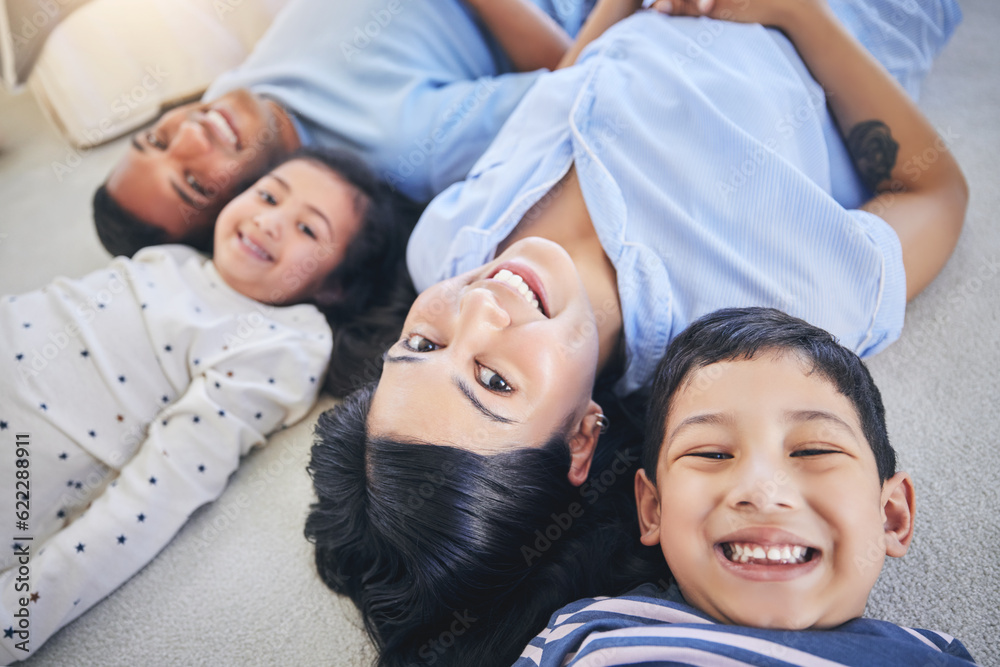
(236, 586)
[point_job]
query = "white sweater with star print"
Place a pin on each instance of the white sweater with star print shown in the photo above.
(139, 388)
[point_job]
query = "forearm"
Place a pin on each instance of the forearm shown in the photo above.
(859, 90)
(531, 38)
(920, 189)
(605, 14)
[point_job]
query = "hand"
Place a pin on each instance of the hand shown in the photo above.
(766, 12)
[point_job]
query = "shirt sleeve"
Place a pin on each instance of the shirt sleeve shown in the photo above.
(465, 116)
(185, 461)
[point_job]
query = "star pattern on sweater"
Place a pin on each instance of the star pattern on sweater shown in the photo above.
(80, 546)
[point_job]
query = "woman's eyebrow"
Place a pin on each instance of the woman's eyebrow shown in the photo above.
(476, 403)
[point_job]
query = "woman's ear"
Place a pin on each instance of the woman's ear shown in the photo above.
(583, 443)
(898, 507)
(647, 502)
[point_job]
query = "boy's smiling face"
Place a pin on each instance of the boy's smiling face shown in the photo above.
(767, 503)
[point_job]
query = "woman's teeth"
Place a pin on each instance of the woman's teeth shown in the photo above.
(775, 554)
(517, 282)
(220, 123)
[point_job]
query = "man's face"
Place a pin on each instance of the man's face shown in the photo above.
(767, 503)
(178, 174)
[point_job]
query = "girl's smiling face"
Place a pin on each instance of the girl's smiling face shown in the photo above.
(279, 240)
(503, 356)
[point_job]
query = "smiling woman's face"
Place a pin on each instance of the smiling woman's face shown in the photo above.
(503, 356)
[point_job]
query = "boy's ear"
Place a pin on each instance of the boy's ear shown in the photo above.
(582, 444)
(647, 502)
(898, 509)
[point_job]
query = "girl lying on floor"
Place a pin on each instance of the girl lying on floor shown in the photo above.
(128, 396)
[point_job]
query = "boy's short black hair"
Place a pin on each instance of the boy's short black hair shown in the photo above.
(735, 334)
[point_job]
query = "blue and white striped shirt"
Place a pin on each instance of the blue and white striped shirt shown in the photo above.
(650, 627)
(713, 173)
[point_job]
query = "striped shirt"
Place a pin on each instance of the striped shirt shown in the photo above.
(649, 627)
(713, 173)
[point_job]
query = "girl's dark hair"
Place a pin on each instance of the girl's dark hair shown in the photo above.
(733, 334)
(458, 558)
(372, 281)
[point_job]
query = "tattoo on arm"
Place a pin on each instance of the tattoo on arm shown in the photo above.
(873, 151)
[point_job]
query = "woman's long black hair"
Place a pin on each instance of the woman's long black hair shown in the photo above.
(457, 558)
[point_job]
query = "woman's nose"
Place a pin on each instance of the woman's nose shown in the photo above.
(478, 309)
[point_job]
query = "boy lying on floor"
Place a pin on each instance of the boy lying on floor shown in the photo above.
(770, 485)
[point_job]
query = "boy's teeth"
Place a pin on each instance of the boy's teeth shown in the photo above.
(517, 282)
(775, 554)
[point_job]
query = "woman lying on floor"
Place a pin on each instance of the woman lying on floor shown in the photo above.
(681, 165)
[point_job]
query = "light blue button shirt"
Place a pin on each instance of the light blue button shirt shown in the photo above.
(416, 86)
(713, 173)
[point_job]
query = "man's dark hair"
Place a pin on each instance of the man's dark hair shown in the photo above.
(735, 334)
(436, 543)
(120, 232)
